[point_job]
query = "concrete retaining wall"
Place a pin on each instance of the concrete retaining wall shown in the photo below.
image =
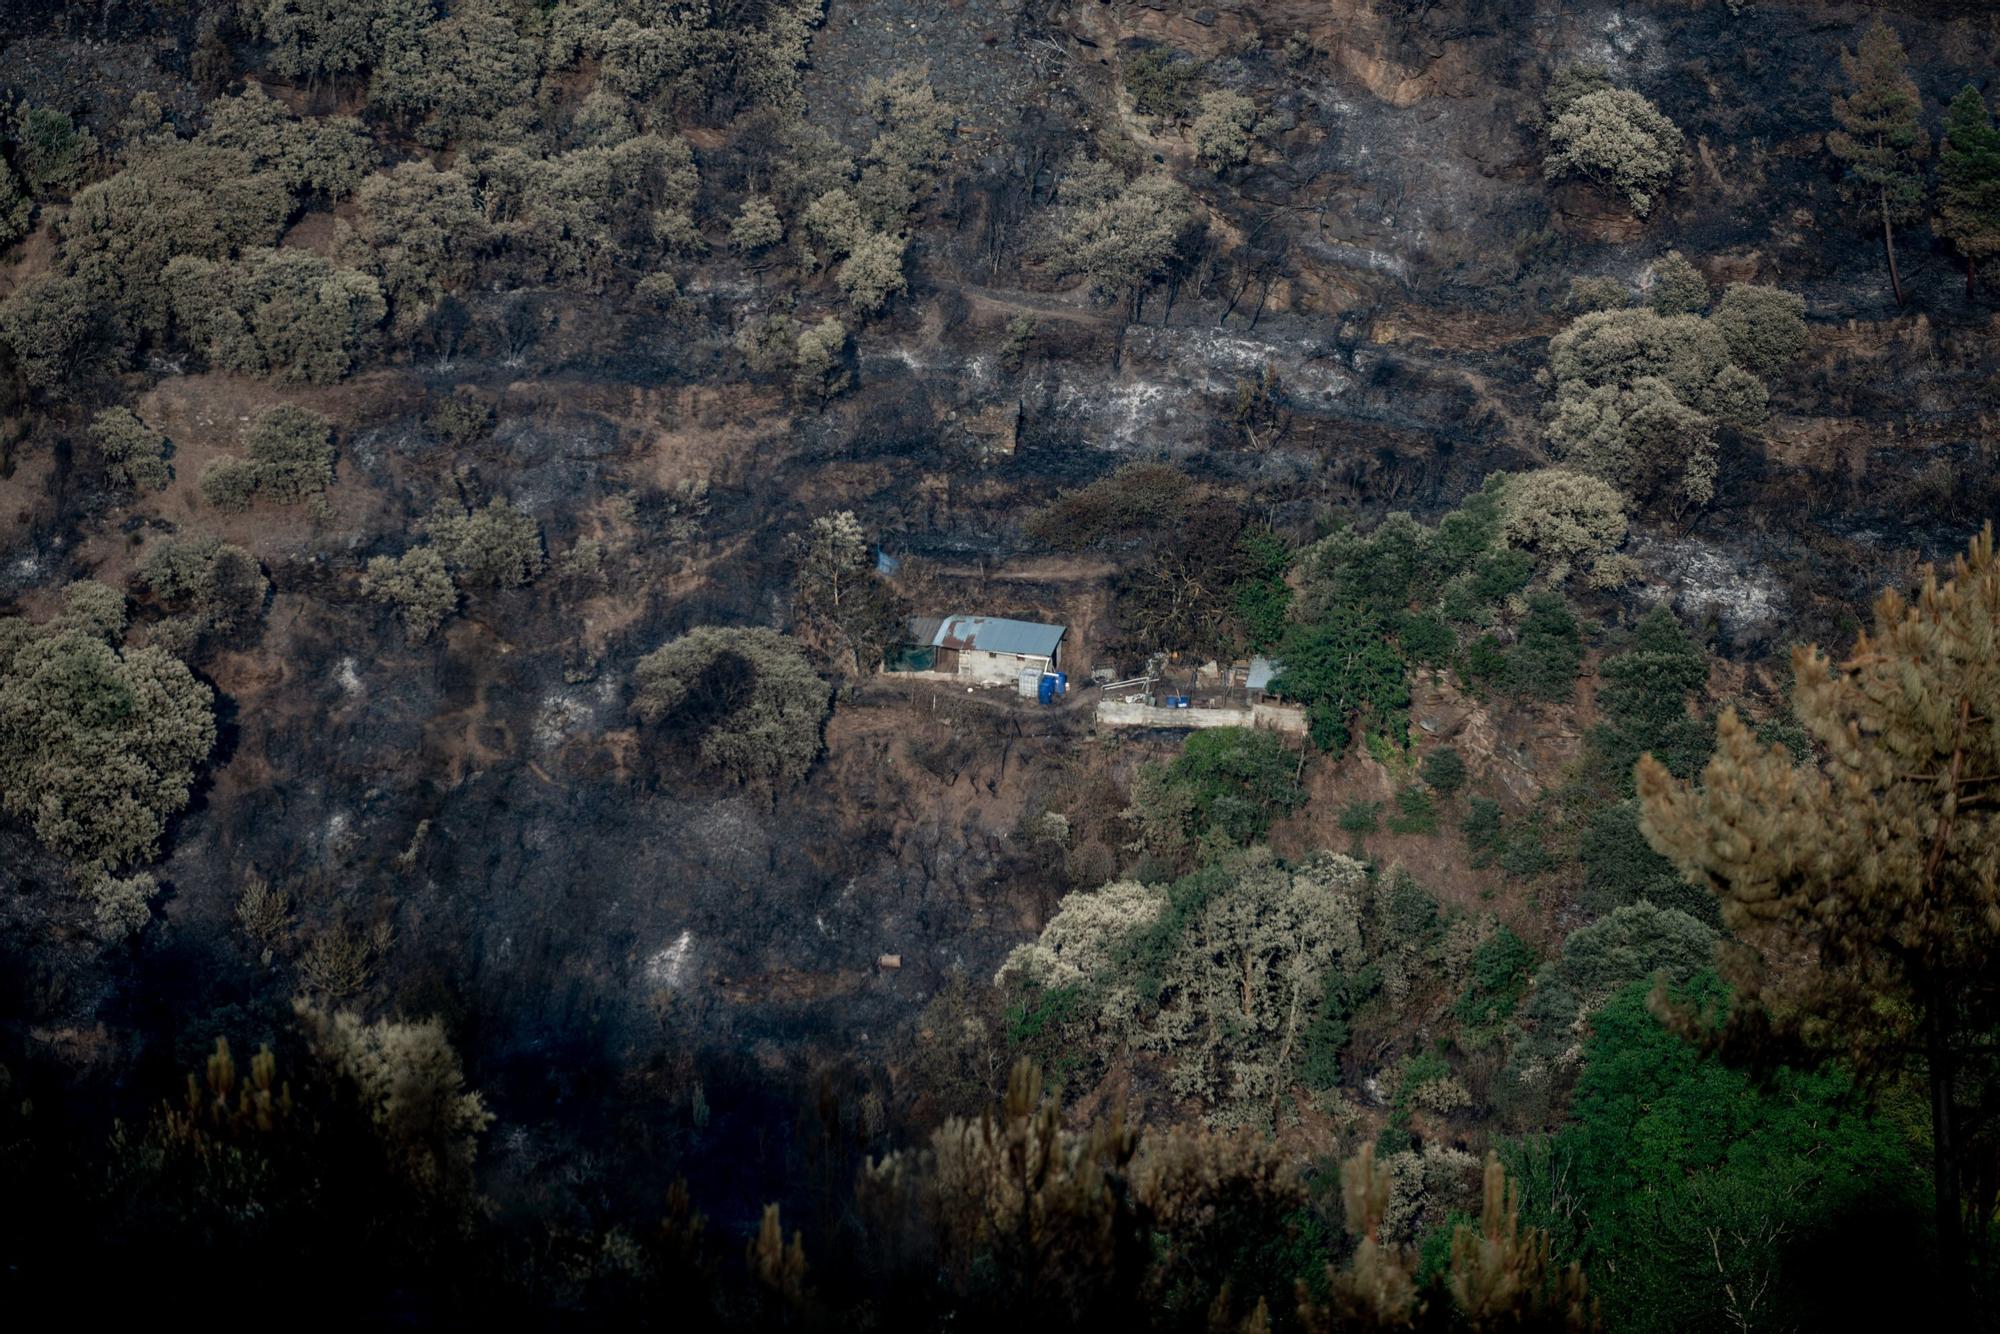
(1287, 718)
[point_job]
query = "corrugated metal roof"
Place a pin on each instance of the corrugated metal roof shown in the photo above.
(1261, 672)
(994, 634)
(924, 629)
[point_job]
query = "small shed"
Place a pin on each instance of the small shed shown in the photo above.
(988, 650)
(1262, 672)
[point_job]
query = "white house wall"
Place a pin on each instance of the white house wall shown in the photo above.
(995, 669)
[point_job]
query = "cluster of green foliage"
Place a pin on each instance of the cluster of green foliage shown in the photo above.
(747, 701)
(44, 153)
(213, 590)
(1545, 658)
(1641, 394)
(495, 546)
(1703, 1184)
(1443, 770)
(1161, 83)
(287, 458)
(1224, 130)
(1518, 847)
(205, 200)
(1225, 788)
(1343, 666)
(1122, 235)
(1610, 136)
(135, 455)
(1416, 811)
(812, 354)
(1375, 603)
(460, 419)
(98, 743)
(417, 585)
(1643, 704)
(1262, 598)
(289, 314)
(1218, 970)
(1501, 969)
(1633, 945)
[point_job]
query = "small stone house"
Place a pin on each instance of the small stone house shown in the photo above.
(987, 650)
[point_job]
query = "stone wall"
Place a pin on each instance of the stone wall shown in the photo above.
(1286, 718)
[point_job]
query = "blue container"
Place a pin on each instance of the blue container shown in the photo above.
(1047, 691)
(1177, 702)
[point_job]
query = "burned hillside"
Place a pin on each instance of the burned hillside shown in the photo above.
(504, 797)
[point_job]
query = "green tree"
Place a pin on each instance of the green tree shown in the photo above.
(327, 157)
(872, 272)
(290, 451)
(1679, 288)
(1227, 782)
(49, 151)
(1880, 139)
(1342, 667)
(495, 547)
(410, 1085)
(1764, 327)
(1120, 235)
(420, 232)
(288, 313)
(317, 39)
(417, 585)
(757, 226)
(1616, 139)
(1869, 868)
(135, 455)
(1640, 396)
(1716, 1199)
(98, 744)
(819, 370)
(175, 197)
(906, 160)
(214, 589)
(17, 207)
(1159, 82)
(1569, 521)
(468, 76)
(1262, 598)
(1643, 704)
(1969, 181)
(746, 699)
(842, 606)
(1223, 131)
(56, 330)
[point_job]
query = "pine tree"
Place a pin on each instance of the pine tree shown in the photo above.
(1879, 138)
(1969, 181)
(1865, 882)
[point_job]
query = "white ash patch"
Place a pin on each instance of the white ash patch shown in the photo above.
(337, 836)
(347, 677)
(1697, 579)
(561, 715)
(667, 968)
(1626, 45)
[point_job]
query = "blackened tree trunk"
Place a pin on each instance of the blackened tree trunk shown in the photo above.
(1889, 245)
